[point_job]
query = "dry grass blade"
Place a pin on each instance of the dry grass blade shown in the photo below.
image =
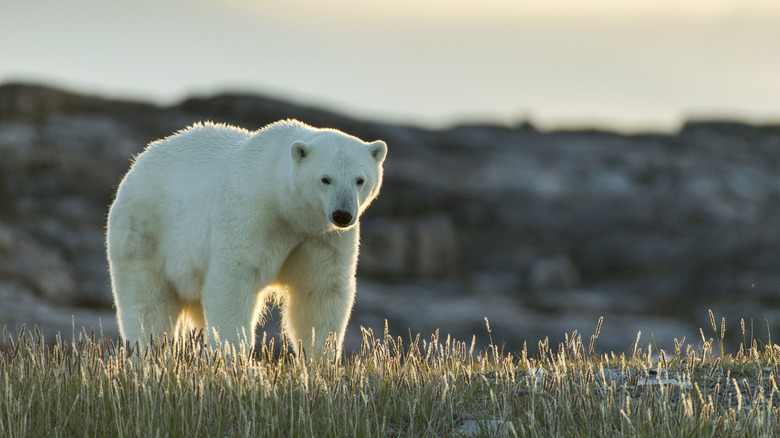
(424, 387)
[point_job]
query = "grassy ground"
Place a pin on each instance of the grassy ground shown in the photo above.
(419, 387)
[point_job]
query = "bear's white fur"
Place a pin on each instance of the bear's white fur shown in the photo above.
(213, 221)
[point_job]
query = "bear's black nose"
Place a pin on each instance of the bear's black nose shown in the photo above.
(341, 218)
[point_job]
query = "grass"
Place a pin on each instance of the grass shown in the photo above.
(391, 387)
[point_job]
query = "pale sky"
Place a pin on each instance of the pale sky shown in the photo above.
(628, 64)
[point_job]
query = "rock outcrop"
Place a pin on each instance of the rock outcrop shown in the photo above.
(540, 232)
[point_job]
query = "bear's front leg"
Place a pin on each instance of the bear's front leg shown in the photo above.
(311, 318)
(232, 305)
(320, 280)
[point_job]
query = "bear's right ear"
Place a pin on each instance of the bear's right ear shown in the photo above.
(299, 151)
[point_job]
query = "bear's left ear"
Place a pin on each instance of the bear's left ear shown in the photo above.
(299, 150)
(378, 150)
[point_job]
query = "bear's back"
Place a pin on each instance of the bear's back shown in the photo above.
(206, 139)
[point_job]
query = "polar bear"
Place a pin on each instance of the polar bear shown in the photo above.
(213, 221)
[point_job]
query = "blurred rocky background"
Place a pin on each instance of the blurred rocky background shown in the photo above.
(539, 232)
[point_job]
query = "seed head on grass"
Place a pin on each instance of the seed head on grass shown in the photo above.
(426, 386)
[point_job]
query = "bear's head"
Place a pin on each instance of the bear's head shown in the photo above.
(337, 175)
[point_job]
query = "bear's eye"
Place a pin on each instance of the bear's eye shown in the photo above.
(325, 180)
(360, 181)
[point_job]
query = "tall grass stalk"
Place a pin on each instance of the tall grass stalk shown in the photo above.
(392, 387)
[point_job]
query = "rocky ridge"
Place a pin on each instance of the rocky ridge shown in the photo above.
(540, 232)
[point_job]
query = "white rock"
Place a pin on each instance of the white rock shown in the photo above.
(471, 428)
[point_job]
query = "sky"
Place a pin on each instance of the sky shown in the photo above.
(619, 64)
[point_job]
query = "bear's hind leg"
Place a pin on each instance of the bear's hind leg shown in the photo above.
(147, 305)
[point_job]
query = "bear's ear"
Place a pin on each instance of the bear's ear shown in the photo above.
(378, 150)
(299, 151)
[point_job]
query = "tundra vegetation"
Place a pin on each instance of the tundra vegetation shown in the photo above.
(435, 386)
